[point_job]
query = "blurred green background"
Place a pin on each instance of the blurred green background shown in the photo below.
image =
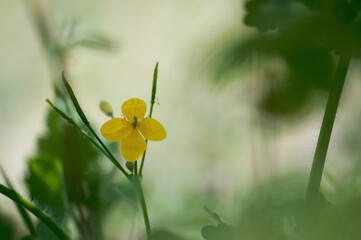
(241, 119)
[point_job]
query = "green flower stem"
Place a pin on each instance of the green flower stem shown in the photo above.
(138, 179)
(136, 168)
(213, 215)
(142, 162)
(70, 120)
(109, 154)
(103, 148)
(138, 187)
(152, 101)
(42, 216)
(326, 128)
(112, 158)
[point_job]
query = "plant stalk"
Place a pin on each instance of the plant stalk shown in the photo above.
(136, 181)
(112, 158)
(139, 189)
(326, 128)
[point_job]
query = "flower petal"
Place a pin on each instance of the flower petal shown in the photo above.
(151, 129)
(116, 129)
(133, 146)
(134, 107)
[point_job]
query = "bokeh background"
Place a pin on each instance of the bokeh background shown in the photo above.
(220, 143)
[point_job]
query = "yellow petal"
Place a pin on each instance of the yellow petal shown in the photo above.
(116, 129)
(151, 129)
(133, 146)
(134, 107)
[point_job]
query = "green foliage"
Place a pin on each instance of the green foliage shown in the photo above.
(269, 211)
(269, 15)
(7, 230)
(333, 25)
(65, 176)
(276, 210)
(301, 35)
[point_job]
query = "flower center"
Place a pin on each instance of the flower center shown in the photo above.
(135, 121)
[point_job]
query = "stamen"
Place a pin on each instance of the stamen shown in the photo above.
(135, 120)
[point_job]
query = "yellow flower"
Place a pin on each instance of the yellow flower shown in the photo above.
(132, 129)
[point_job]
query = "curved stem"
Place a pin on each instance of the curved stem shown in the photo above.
(46, 219)
(326, 128)
(112, 158)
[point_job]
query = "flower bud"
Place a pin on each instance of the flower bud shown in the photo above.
(130, 166)
(74, 100)
(106, 108)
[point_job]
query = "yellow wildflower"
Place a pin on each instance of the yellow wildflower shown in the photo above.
(132, 129)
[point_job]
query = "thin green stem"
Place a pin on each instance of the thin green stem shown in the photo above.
(326, 128)
(142, 162)
(213, 215)
(139, 189)
(152, 101)
(136, 168)
(112, 158)
(109, 154)
(42, 216)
